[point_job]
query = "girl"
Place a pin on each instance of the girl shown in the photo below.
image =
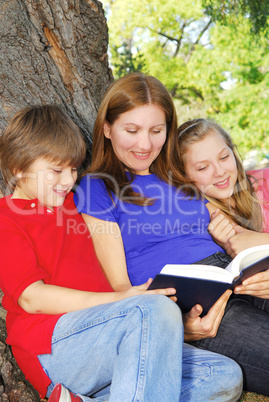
(131, 198)
(212, 166)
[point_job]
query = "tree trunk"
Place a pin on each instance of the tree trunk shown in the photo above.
(52, 51)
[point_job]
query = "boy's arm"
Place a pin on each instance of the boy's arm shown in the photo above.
(109, 249)
(41, 298)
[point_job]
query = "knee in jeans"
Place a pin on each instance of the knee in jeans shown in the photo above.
(231, 376)
(165, 310)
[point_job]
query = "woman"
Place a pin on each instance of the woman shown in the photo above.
(132, 201)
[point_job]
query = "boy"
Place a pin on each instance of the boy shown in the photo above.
(64, 323)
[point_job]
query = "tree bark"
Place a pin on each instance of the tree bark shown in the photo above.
(52, 51)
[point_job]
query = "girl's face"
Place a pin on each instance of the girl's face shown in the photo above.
(211, 164)
(46, 181)
(137, 137)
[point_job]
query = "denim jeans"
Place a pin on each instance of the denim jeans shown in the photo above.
(243, 335)
(218, 259)
(133, 350)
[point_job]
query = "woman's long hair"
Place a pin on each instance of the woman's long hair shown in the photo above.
(131, 91)
(246, 209)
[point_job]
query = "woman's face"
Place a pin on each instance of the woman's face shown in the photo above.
(137, 136)
(211, 165)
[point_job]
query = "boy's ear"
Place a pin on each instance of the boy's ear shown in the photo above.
(18, 175)
(107, 130)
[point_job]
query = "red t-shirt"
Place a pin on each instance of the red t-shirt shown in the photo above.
(39, 244)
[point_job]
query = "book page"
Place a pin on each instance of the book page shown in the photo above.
(198, 271)
(247, 257)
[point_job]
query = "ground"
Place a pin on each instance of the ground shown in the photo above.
(252, 397)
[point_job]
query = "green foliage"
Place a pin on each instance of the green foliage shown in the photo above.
(226, 11)
(125, 61)
(213, 66)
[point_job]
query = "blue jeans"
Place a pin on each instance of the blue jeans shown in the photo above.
(133, 350)
(218, 259)
(243, 335)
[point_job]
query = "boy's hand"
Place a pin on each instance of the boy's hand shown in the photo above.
(196, 328)
(142, 289)
(221, 228)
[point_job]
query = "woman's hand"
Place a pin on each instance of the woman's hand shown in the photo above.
(257, 285)
(196, 328)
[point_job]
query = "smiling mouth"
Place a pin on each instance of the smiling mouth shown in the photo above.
(141, 154)
(223, 183)
(62, 193)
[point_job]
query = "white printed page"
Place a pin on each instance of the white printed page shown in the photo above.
(198, 271)
(247, 257)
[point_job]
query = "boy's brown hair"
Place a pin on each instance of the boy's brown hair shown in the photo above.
(39, 132)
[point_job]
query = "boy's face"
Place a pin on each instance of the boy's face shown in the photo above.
(47, 181)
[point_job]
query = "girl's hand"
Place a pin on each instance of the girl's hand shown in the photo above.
(221, 228)
(257, 285)
(142, 289)
(196, 328)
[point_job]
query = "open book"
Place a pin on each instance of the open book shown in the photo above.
(204, 284)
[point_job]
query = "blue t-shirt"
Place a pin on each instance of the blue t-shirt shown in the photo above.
(171, 231)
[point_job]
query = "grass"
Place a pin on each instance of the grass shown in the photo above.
(252, 397)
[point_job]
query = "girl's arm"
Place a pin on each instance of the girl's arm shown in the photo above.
(257, 285)
(244, 239)
(41, 298)
(109, 249)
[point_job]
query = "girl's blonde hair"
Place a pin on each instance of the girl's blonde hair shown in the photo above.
(39, 132)
(131, 91)
(246, 210)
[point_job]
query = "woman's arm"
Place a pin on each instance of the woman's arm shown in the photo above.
(41, 298)
(109, 249)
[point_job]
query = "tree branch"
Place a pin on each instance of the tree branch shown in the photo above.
(197, 40)
(191, 88)
(171, 38)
